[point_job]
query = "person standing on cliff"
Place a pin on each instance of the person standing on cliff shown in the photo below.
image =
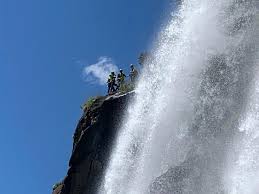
(113, 82)
(133, 74)
(109, 83)
(120, 79)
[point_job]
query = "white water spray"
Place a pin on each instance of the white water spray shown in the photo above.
(190, 105)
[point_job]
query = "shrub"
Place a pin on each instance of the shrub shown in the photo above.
(88, 103)
(56, 185)
(126, 87)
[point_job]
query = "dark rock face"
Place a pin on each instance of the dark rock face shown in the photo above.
(92, 145)
(175, 180)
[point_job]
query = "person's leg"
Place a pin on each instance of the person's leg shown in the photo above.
(109, 88)
(112, 87)
(118, 86)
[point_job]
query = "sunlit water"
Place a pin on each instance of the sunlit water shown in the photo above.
(197, 104)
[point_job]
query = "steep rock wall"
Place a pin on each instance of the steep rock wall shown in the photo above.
(93, 140)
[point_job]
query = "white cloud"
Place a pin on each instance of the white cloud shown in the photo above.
(99, 72)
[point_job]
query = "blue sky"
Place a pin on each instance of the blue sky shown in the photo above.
(44, 46)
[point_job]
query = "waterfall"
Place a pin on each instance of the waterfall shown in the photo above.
(193, 125)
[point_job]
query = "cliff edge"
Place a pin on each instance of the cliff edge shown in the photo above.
(92, 142)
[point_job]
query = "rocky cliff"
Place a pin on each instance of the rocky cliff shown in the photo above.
(93, 139)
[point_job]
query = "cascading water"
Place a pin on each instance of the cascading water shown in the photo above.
(193, 125)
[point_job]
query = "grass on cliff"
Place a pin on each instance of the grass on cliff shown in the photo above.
(127, 87)
(88, 103)
(56, 185)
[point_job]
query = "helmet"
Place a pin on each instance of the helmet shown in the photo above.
(121, 70)
(112, 72)
(131, 65)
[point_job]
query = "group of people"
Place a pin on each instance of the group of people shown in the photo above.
(115, 83)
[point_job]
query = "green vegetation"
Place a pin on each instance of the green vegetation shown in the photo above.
(56, 185)
(88, 103)
(126, 87)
